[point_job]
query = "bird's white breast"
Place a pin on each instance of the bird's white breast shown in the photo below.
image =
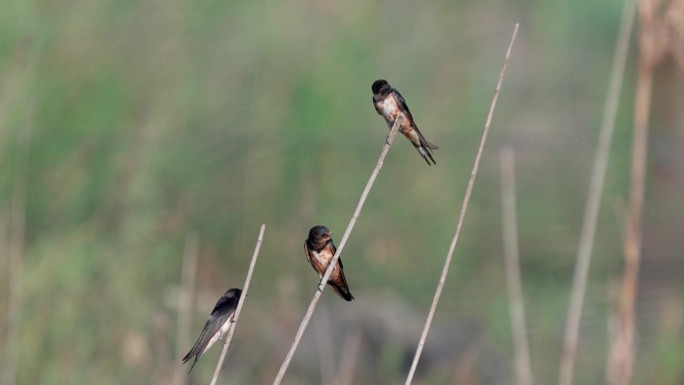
(226, 326)
(389, 107)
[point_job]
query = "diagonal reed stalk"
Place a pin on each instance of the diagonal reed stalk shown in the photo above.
(623, 347)
(185, 296)
(464, 207)
(243, 297)
(523, 368)
(586, 242)
(333, 262)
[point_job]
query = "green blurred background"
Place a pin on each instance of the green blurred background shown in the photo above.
(127, 127)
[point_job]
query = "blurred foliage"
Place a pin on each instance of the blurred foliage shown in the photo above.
(153, 120)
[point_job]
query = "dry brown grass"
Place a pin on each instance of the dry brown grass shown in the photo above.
(661, 35)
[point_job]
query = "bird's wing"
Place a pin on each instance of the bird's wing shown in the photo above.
(225, 307)
(333, 249)
(404, 106)
(375, 104)
(341, 290)
(306, 252)
(211, 327)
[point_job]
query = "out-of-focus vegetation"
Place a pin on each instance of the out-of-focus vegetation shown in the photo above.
(149, 121)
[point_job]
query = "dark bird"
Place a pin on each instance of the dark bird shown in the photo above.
(216, 326)
(390, 104)
(320, 249)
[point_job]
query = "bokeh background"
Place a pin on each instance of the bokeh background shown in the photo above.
(128, 128)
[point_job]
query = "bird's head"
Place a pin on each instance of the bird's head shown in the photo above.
(380, 86)
(233, 293)
(320, 234)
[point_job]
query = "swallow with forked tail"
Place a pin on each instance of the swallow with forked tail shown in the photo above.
(217, 325)
(390, 104)
(320, 249)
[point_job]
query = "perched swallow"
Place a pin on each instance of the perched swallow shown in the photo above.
(216, 326)
(389, 103)
(320, 249)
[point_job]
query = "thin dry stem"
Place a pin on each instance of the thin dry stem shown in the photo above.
(464, 207)
(511, 257)
(333, 262)
(586, 242)
(236, 316)
(189, 272)
(15, 253)
(349, 357)
(623, 348)
(621, 355)
(325, 346)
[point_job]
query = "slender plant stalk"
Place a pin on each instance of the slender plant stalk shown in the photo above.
(586, 242)
(234, 319)
(512, 259)
(20, 76)
(333, 262)
(349, 357)
(17, 230)
(623, 348)
(185, 296)
(464, 207)
(324, 346)
(4, 261)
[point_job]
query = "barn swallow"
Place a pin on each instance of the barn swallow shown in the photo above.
(319, 249)
(217, 325)
(389, 103)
